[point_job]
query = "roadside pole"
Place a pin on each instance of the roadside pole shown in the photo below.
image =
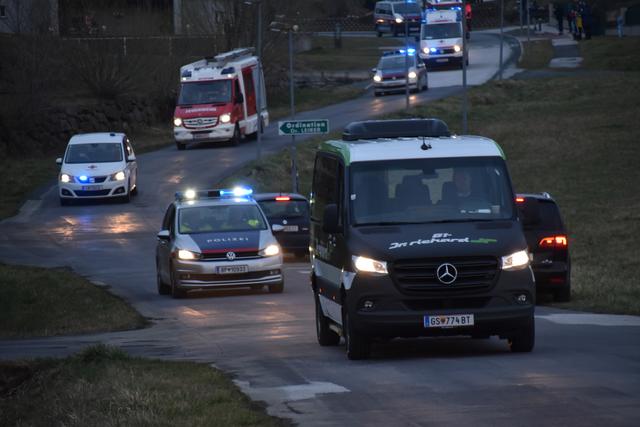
(406, 57)
(528, 24)
(501, 37)
(464, 78)
(292, 149)
(259, 91)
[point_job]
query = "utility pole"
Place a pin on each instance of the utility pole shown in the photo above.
(294, 166)
(260, 83)
(501, 37)
(464, 78)
(406, 57)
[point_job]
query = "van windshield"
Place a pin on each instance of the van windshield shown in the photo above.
(441, 31)
(211, 92)
(407, 8)
(102, 152)
(413, 191)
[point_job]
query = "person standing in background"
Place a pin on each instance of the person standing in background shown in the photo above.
(559, 14)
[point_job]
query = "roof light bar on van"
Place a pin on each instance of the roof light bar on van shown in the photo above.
(191, 194)
(406, 128)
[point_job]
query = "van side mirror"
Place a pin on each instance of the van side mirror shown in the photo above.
(374, 70)
(277, 228)
(239, 98)
(163, 235)
(59, 161)
(330, 219)
(131, 158)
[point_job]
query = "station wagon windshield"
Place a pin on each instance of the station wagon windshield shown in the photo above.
(210, 92)
(102, 152)
(212, 219)
(441, 31)
(430, 190)
(395, 62)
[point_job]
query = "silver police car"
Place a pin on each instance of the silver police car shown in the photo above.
(216, 239)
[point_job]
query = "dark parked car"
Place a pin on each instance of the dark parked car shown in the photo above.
(548, 242)
(292, 212)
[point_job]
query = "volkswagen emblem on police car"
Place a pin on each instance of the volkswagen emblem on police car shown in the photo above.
(447, 273)
(231, 256)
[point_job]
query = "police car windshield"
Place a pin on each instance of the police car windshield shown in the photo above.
(102, 152)
(394, 62)
(221, 218)
(441, 31)
(285, 209)
(430, 190)
(211, 92)
(408, 8)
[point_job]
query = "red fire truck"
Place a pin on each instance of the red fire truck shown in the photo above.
(217, 100)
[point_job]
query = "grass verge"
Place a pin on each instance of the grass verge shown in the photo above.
(611, 53)
(536, 54)
(307, 99)
(45, 302)
(102, 386)
(574, 137)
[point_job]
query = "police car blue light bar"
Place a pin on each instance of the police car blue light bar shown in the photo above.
(191, 194)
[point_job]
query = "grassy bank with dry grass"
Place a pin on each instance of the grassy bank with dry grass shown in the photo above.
(536, 54)
(103, 386)
(574, 137)
(38, 302)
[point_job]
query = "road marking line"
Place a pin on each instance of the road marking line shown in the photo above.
(592, 319)
(289, 393)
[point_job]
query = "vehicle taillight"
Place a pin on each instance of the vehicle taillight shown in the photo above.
(554, 242)
(282, 198)
(519, 199)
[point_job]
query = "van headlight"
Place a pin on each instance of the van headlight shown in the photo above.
(368, 265)
(177, 122)
(65, 178)
(456, 48)
(515, 261)
(118, 176)
(187, 255)
(377, 78)
(225, 118)
(398, 18)
(425, 50)
(271, 250)
(412, 75)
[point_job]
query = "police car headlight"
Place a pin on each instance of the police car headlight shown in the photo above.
(515, 261)
(187, 255)
(118, 176)
(177, 122)
(398, 18)
(368, 265)
(65, 178)
(377, 78)
(456, 48)
(425, 50)
(412, 75)
(225, 118)
(270, 250)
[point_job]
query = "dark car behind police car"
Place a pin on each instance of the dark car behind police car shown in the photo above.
(290, 210)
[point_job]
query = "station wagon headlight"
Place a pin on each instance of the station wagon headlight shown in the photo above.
(398, 18)
(270, 250)
(412, 75)
(187, 255)
(118, 176)
(368, 265)
(456, 48)
(177, 122)
(65, 178)
(225, 118)
(377, 78)
(515, 261)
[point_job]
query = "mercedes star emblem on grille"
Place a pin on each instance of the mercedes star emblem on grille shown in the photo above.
(231, 256)
(447, 273)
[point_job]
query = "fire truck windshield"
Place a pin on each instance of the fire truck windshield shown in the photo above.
(209, 92)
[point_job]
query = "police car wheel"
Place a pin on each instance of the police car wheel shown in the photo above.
(326, 336)
(277, 288)
(525, 339)
(358, 346)
(176, 292)
(127, 197)
(163, 288)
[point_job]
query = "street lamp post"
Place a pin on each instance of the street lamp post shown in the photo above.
(501, 37)
(464, 78)
(259, 101)
(406, 56)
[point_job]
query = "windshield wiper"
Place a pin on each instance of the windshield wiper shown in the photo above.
(443, 221)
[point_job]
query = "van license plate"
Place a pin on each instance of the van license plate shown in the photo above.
(291, 228)
(91, 187)
(233, 269)
(200, 135)
(448, 321)
(442, 60)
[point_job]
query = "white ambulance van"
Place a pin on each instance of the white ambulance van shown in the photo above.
(441, 38)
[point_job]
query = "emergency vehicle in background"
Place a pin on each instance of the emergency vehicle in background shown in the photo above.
(217, 100)
(441, 40)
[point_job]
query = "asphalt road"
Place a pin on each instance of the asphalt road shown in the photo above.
(585, 369)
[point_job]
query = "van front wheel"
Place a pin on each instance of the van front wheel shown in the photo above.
(525, 339)
(326, 336)
(358, 346)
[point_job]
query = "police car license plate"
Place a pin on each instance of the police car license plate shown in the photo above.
(233, 269)
(448, 321)
(442, 60)
(91, 187)
(290, 228)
